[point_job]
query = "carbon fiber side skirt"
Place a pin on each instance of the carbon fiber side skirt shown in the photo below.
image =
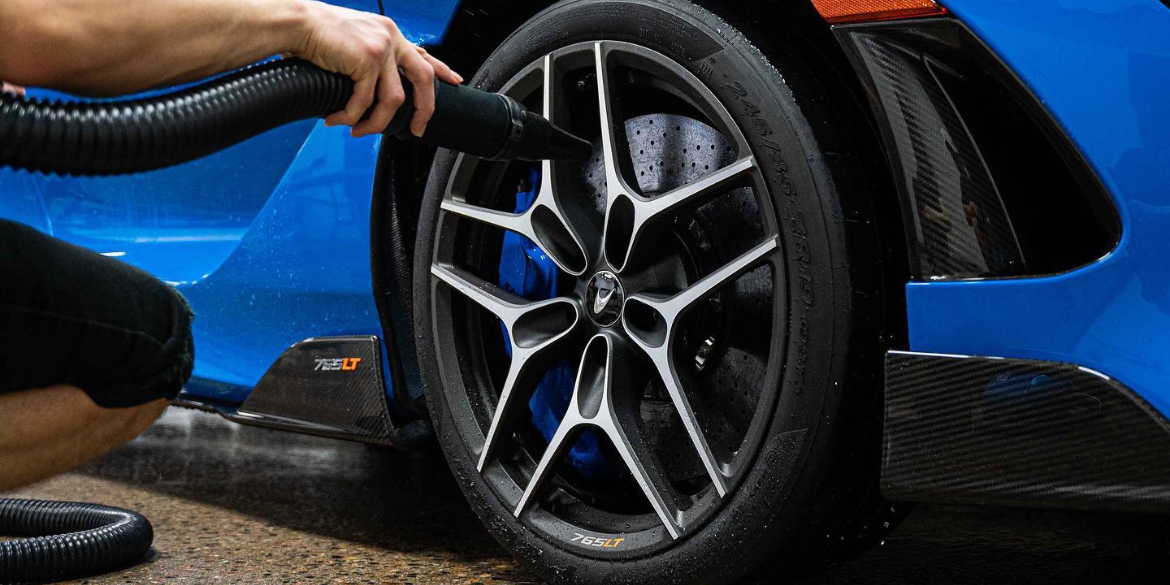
(330, 386)
(980, 430)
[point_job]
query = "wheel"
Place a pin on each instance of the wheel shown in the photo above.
(661, 365)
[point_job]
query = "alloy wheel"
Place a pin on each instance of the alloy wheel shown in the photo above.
(650, 310)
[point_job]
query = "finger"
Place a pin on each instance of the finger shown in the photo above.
(362, 99)
(442, 71)
(390, 99)
(13, 89)
(422, 75)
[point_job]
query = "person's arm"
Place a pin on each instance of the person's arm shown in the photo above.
(112, 47)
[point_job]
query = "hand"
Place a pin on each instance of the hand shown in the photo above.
(13, 89)
(370, 49)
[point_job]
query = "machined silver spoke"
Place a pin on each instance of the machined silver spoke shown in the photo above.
(617, 190)
(631, 215)
(602, 401)
(615, 182)
(675, 306)
(657, 342)
(520, 223)
(697, 192)
(545, 221)
(533, 327)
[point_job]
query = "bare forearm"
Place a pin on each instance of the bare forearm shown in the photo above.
(111, 47)
(107, 47)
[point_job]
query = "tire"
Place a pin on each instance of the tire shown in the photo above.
(800, 486)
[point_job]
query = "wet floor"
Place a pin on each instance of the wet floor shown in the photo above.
(232, 504)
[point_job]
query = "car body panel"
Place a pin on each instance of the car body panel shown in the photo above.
(268, 240)
(422, 22)
(1102, 69)
(302, 269)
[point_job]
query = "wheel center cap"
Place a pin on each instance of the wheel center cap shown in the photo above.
(604, 298)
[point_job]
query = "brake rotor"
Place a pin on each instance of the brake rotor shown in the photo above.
(668, 151)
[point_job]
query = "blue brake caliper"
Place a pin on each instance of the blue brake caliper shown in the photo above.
(528, 272)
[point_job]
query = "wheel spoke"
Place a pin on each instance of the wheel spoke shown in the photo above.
(503, 410)
(657, 342)
(663, 363)
(618, 192)
(707, 285)
(550, 220)
(611, 156)
(513, 222)
(556, 447)
(545, 221)
(638, 454)
(601, 401)
(648, 213)
(495, 300)
(698, 191)
(533, 327)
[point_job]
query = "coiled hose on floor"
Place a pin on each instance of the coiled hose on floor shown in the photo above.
(68, 539)
(107, 138)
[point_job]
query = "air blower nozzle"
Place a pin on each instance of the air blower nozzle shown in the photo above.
(488, 125)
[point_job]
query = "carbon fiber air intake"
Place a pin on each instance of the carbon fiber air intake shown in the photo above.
(107, 138)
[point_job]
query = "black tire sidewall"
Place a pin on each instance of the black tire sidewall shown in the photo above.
(781, 508)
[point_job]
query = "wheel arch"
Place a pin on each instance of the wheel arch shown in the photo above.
(811, 40)
(476, 29)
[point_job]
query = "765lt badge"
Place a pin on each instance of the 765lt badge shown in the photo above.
(597, 541)
(336, 364)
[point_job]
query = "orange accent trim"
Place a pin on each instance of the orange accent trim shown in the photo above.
(849, 11)
(350, 364)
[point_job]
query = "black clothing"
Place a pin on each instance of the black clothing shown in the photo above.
(72, 316)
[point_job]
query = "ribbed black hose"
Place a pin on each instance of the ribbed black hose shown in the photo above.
(106, 138)
(111, 138)
(68, 539)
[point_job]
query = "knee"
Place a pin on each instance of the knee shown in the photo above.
(136, 419)
(147, 372)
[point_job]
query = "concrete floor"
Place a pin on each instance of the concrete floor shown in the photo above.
(232, 504)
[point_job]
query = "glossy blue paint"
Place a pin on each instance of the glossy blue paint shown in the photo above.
(179, 224)
(302, 270)
(422, 22)
(269, 240)
(1102, 68)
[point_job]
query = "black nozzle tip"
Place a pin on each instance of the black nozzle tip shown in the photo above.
(565, 146)
(544, 141)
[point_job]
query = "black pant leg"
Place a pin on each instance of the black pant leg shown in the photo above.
(72, 316)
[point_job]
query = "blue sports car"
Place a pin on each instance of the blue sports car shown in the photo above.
(829, 256)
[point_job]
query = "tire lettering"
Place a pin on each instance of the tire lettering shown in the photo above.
(801, 250)
(596, 541)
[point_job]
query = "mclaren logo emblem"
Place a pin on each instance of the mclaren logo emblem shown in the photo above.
(604, 297)
(604, 294)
